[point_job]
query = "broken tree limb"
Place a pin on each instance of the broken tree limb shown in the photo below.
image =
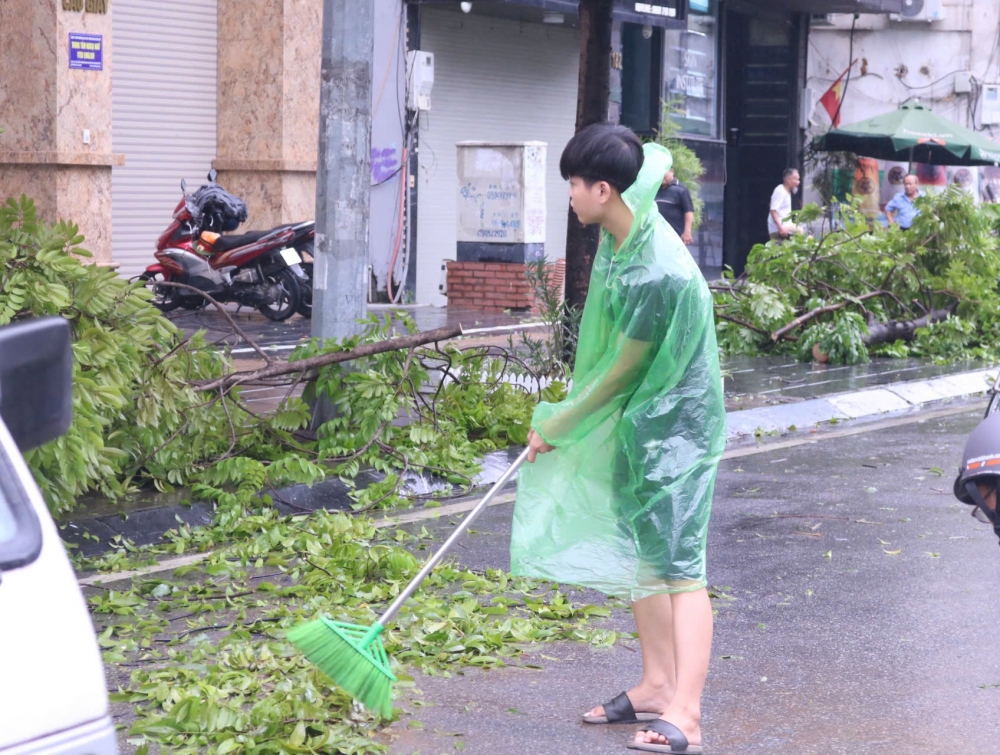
(903, 330)
(277, 369)
(232, 323)
(822, 311)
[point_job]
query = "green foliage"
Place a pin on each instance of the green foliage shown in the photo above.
(842, 340)
(457, 404)
(201, 654)
(832, 172)
(838, 290)
(135, 416)
(139, 421)
(688, 168)
(552, 354)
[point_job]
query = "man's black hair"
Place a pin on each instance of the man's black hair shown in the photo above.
(603, 152)
(787, 172)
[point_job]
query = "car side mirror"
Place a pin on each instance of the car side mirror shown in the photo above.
(36, 380)
(212, 175)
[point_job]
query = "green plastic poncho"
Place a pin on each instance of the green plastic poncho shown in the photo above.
(622, 503)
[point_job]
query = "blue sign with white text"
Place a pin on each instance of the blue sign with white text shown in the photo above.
(86, 51)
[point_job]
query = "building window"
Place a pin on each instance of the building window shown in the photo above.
(691, 70)
(642, 67)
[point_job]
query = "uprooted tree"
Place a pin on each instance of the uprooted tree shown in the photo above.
(859, 290)
(154, 407)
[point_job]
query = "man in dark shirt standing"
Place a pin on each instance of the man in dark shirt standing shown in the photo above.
(675, 205)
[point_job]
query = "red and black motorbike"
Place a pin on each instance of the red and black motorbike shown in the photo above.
(260, 269)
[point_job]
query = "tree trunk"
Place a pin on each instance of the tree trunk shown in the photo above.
(895, 330)
(593, 96)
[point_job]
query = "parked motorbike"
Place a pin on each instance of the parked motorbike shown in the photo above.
(260, 269)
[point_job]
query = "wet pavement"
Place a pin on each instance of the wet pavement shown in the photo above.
(768, 379)
(860, 619)
(750, 381)
(296, 328)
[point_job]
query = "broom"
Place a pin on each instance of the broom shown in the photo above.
(352, 655)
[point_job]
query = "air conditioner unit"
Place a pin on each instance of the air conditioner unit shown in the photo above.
(989, 105)
(921, 10)
(817, 20)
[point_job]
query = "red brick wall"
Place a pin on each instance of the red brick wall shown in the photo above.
(493, 286)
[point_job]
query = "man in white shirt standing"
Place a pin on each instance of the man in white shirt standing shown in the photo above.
(778, 225)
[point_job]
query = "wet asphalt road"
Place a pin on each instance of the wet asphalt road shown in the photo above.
(832, 642)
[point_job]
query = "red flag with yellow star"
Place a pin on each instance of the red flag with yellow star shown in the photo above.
(833, 96)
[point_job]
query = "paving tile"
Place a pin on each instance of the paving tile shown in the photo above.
(768, 419)
(869, 402)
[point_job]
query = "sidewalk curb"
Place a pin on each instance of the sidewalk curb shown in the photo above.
(895, 398)
(95, 535)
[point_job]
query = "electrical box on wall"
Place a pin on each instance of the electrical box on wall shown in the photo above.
(989, 105)
(419, 79)
(920, 10)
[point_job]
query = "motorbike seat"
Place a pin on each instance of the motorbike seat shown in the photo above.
(225, 243)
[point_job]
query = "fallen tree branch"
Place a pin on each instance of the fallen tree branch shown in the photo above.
(232, 323)
(895, 330)
(321, 360)
(821, 311)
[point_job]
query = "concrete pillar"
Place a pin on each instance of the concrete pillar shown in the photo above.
(268, 117)
(45, 107)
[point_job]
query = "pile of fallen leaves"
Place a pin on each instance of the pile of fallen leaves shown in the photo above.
(201, 654)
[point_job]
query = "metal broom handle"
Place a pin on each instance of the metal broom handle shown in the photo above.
(434, 560)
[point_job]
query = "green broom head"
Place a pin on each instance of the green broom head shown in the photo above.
(352, 655)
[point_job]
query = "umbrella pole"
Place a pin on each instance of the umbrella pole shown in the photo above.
(910, 167)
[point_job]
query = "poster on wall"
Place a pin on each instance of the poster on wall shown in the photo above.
(967, 179)
(86, 51)
(866, 185)
(932, 178)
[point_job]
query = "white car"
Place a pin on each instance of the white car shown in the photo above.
(53, 698)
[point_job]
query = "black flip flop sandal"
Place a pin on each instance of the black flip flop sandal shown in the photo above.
(678, 742)
(620, 711)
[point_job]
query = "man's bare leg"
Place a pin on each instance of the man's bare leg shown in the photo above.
(692, 645)
(654, 622)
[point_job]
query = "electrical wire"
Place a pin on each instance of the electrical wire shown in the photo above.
(388, 66)
(936, 81)
(399, 232)
(388, 178)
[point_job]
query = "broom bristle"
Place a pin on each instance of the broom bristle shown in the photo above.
(341, 652)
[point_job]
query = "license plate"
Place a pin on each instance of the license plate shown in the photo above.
(291, 257)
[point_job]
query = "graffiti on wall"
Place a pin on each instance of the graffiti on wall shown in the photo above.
(384, 163)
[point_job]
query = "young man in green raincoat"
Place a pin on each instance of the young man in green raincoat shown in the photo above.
(619, 492)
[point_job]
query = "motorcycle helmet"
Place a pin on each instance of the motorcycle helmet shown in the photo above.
(981, 466)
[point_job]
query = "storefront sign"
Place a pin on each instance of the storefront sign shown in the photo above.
(91, 6)
(661, 13)
(656, 9)
(86, 51)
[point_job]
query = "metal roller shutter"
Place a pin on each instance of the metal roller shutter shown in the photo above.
(164, 108)
(494, 80)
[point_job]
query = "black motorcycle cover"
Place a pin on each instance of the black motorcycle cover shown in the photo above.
(215, 209)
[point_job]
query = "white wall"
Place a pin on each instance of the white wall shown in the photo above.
(388, 115)
(494, 80)
(930, 52)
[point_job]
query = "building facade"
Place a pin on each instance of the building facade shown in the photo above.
(944, 54)
(107, 104)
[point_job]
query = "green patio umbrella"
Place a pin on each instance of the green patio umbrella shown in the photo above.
(912, 133)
